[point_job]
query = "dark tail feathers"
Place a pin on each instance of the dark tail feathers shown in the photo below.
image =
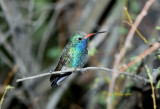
(56, 79)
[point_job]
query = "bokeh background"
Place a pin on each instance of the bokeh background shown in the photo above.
(34, 32)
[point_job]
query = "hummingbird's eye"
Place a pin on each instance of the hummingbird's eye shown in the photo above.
(79, 39)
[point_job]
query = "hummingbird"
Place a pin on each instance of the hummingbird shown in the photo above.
(74, 55)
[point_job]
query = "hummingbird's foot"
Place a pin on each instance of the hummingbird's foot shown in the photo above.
(51, 71)
(82, 70)
(75, 70)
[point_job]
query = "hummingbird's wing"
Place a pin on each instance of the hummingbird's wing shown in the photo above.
(65, 56)
(56, 79)
(62, 61)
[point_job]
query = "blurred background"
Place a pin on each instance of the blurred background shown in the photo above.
(34, 32)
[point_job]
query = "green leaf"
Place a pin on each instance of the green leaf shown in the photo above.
(157, 27)
(134, 67)
(53, 52)
(158, 85)
(123, 30)
(92, 51)
(135, 6)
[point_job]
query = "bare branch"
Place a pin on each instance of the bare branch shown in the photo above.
(30, 9)
(154, 47)
(125, 47)
(82, 70)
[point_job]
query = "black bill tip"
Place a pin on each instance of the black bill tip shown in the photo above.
(101, 32)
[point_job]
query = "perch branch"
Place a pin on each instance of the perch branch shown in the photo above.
(83, 70)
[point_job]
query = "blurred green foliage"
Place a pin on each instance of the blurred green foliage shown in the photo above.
(92, 51)
(129, 85)
(134, 67)
(158, 27)
(158, 54)
(123, 30)
(102, 100)
(53, 53)
(158, 85)
(134, 8)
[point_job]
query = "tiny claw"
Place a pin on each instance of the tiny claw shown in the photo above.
(75, 70)
(82, 71)
(50, 71)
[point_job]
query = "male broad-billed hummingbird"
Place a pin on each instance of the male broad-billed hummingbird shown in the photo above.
(74, 55)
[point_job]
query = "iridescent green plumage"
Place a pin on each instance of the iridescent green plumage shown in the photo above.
(73, 56)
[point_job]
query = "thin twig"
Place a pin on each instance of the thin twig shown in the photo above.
(131, 23)
(82, 70)
(151, 82)
(5, 59)
(3, 38)
(12, 52)
(10, 75)
(124, 49)
(154, 47)
(30, 9)
(2, 99)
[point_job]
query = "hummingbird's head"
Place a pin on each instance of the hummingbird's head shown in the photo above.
(80, 37)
